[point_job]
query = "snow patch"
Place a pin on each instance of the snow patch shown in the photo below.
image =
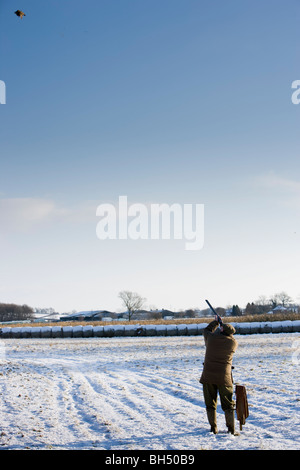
(126, 393)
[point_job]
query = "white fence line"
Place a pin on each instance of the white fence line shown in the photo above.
(189, 329)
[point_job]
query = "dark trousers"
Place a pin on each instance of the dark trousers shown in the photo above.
(210, 392)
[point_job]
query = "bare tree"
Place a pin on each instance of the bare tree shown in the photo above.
(282, 298)
(132, 301)
(262, 300)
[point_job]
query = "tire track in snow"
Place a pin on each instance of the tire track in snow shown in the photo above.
(133, 418)
(77, 411)
(133, 400)
(139, 393)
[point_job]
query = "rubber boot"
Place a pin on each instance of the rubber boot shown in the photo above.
(229, 418)
(212, 419)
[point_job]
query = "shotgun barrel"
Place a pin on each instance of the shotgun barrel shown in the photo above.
(213, 310)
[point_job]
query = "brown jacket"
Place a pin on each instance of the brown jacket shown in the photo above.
(218, 357)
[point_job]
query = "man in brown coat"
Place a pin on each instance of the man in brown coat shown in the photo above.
(216, 375)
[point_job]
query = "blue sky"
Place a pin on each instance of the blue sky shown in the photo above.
(166, 101)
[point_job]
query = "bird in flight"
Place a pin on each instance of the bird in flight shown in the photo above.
(20, 13)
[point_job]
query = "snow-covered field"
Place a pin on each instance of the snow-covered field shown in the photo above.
(142, 393)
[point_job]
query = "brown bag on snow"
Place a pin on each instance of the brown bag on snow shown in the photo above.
(242, 411)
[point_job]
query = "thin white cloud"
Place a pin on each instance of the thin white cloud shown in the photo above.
(273, 181)
(20, 214)
(285, 191)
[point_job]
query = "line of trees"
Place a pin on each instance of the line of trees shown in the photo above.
(133, 302)
(261, 306)
(14, 312)
(264, 304)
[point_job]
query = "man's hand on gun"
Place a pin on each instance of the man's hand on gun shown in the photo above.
(219, 320)
(217, 317)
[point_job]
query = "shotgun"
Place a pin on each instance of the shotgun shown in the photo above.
(218, 316)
